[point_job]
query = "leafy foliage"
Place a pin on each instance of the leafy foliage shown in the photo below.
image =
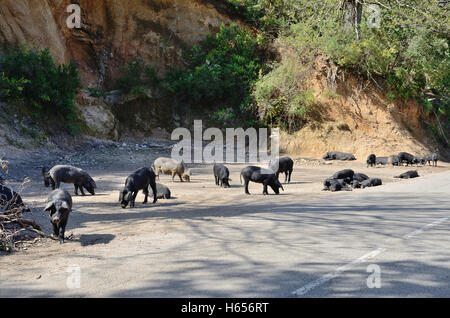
(220, 70)
(136, 76)
(47, 90)
(223, 67)
(408, 53)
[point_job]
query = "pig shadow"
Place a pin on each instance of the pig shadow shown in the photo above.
(94, 239)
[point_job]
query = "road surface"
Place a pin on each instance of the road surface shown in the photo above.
(389, 241)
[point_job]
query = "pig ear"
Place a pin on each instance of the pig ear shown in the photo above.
(229, 179)
(50, 206)
(65, 205)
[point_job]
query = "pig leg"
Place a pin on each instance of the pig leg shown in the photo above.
(145, 190)
(179, 175)
(246, 181)
(133, 198)
(290, 173)
(76, 189)
(62, 231)
(55, 230)
(52, 183)
(265, 188)
(153, 185)
(286, 176)
(81, 189)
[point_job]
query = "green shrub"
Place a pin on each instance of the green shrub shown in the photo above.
(281, 96)
(11, 88)
(46, 89)
(408, 55)
(220, 73)
(136, 77)
(222, 67)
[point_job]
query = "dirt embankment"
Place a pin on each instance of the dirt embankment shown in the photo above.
(356, 117)
(112, 32)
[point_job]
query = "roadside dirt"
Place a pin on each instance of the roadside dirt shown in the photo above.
(98, 224)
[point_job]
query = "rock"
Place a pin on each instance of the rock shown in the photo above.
(100, 121)
(112, 33)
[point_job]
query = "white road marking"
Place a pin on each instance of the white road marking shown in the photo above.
(426, 227)
(305, 289)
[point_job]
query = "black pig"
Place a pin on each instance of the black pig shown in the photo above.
(261, 175)
(138, 180)
(69, 174)
(285, 165)
(59, 205)
(221, 175)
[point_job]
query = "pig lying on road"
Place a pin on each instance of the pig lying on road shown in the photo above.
(360, 177)
(371, 182)
(162, 191)
(346, 174)
(408, 175)
(333, 185)
(334, 155)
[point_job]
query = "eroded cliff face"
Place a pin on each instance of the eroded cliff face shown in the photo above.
(357, 118)
(112, 32)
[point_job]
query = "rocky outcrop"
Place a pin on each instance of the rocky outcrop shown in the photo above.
(356, 118)
(112, 32)
(97, 116)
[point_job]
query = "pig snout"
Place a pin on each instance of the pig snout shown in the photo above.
(56, 219)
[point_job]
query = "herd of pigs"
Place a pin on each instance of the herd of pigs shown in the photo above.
(59, 201)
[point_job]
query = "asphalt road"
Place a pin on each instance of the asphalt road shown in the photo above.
(389, 241)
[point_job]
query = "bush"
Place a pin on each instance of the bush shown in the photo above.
(409, 53)
(222, 68)
(47, 90)
(136, 76)
(220, 73)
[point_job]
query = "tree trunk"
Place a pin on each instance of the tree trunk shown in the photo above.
(352, 15)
